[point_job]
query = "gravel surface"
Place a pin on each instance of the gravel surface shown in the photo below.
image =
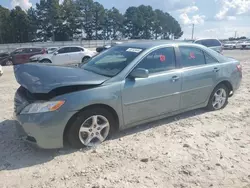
(194, 149)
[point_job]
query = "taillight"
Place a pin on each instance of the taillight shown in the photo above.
(239, 67)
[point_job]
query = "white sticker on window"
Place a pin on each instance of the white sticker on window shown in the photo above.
(136, 50)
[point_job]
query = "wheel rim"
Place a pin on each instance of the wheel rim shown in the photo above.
(9, 63)
(94, 130)
(85, 59)
(219, 98)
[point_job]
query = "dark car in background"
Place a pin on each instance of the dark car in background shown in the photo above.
(106, 46)
(4, 58)
(22, 55)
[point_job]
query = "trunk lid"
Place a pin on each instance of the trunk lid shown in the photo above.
(39, 78)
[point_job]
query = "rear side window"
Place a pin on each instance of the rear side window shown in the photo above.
(159, 60)
(64, 50)
(191, 56)
(209, 42)
(35, 50)
(28, 50)
(76, 49)
(209, 59)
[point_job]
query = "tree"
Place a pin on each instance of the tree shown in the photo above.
(85, 7)
(32, 22)
(66, 21)
(71, 23)
(148, 15)
(49, 19)
(19, 25)
(98, 19)
(133, 22)
(113, 24)
(5, 26)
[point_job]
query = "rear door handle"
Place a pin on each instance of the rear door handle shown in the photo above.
(175, 78)
(216, 69)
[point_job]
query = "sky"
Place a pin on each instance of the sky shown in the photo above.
(211, 18)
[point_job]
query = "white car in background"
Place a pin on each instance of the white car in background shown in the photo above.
(67, 55)
(245, 44)
(1, 70)
(232, 45)
(213, 44)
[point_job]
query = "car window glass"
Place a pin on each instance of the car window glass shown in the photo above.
(209, 42)
(35, 50)
(198, 42)
(64, 50)
(18, 51)
(191, 56)
(113, 61)
(3, 55)
(209, 59)
(159, 60)
(75, 49)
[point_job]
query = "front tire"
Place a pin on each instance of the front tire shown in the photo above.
(9, 63)
(45, 61)
(85, 59)
(219, 98)
(90, 128)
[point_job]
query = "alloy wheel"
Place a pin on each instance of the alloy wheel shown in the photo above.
(219, 98)
(94, 130)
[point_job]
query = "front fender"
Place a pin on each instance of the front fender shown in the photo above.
(109, 95)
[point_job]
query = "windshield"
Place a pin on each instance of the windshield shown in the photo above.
(112, 61)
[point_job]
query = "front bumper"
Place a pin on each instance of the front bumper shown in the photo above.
(44, 129)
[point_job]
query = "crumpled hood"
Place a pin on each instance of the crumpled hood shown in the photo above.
(40, 78)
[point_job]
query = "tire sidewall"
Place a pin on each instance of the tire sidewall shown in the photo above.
(9, 63)
(84, 59)
(210, 102)
(73, 131)
(45, 61)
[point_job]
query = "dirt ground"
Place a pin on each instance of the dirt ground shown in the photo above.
(194, 149)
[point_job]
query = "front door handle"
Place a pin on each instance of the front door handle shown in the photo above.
(175, 78)
(216, 69)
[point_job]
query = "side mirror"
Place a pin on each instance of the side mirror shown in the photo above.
(139, 73)
(55, 53)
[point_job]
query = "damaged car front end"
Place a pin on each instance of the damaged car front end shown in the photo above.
(41, 104)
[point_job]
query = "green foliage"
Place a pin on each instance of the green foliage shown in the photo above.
(84, 19)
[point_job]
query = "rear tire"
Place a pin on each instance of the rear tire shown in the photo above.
(90, 128)
(219, 98)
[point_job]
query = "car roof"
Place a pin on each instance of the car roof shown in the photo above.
(70, 46)
(207, 39)
(151, 44)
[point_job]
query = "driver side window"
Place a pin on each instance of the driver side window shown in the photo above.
(159, 60)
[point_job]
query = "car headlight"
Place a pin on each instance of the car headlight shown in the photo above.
(41, 107)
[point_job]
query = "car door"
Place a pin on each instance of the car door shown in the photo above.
(62, 57)
(76, 55)
(18, 56)
(145, 98)
(199, 75)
